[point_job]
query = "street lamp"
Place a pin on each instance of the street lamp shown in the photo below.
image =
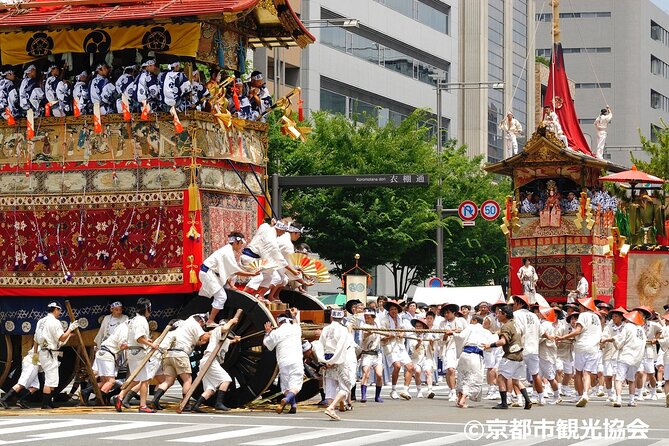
(442, 84)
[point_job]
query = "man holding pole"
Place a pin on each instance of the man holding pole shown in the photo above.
(140, 345)
(216, 379)
(50, 338)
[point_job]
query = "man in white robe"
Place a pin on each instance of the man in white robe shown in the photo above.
(511, 128)
(339, 354)
(601, 125)
(470, 362)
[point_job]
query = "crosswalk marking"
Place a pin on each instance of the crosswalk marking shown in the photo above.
(226, 435)
(370, 439)
(163, 432)
(451, 439)
(94, 430)
(598, 442)
(14, 421)
(528, 441)
(300, 437)
(37, 427)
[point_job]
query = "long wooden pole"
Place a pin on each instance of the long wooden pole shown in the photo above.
(146, 359)
(203, 369)
(84, 355)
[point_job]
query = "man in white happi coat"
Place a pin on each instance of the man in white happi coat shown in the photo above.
(528, 277)
(176, 360)
(511, 129)
(51, 337)
(370, 357)
(581, 290)
(110, 322)
(469, 343)
(264, 245)
(339, 355)
(630, 343)
(552, 123)
(587, 335)
(105, 365)
(449, 356)
(601, 125)
(647, 368)
(394, 349)
(218, 269)
(548, 348)
(281, 276)
(527, 324)
(287, 340)
(140, 344)
(216, 380)
(422, 356)
(28, 382)
(610, 352)
(664, 350)
(492, 356)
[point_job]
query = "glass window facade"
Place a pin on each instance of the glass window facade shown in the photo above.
(548, 17)
(658, 33)
(392, 59)
(495, 74)
(658, 67)
(659, 101)
(425, 12)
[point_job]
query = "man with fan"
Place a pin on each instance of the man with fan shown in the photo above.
(281, 277)
(217, 270)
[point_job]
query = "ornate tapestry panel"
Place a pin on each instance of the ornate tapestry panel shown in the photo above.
(648, 280)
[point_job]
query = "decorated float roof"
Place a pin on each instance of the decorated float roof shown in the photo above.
(546, 150)
(276, 22)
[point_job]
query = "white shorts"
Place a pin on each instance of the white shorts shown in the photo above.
(215, 376)
(104, 364)
(330, 387)
(511, 369)
(647, 366)
(29, 372)
(609, 367)
(491, 357)
(532, 363)
(625, 372)
(49, 362)
(262, 280)
(400, 356)
(425, 365)
(279, 278)
(450, 359)
(666, 373)
(568, 367)
(291, 376)
(218, 299)
(371, 360)
(586, 362)
(559, 364)
(135, 358)
(547, 369)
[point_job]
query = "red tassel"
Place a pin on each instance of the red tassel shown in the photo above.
(10, 117)
(125, 108)
(75, 108)
(235, 99)
(47, 109)
(178, 128)
(300, 110)
(146, 109)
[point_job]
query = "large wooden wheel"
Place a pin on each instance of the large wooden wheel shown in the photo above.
(300, 301)
(251, 366)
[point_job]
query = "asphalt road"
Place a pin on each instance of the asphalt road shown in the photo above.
(418, 422)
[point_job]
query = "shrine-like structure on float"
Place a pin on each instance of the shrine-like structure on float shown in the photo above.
(131, 208)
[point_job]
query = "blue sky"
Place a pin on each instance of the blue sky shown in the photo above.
(664, 4)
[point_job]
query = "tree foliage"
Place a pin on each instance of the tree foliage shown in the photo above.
(658, 153)
(394, 227)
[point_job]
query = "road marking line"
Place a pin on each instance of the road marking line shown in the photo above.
(451, 439)
(300, 437)
(164, 432)
(14, 421)
(530, 440)
(44, 426)
(370, 439)
(244, 432)
(96, 430)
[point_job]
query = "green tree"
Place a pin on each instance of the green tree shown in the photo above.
(394, 227)
(658, 153)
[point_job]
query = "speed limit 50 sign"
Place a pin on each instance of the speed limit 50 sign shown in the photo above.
(490, 210)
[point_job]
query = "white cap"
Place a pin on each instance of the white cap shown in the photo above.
(337, 314)
(54, 305)
(306, 345)
(116, 304)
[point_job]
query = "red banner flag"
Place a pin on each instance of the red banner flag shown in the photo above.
(146, 109)
(97, 118)
(30, 124)
(9, 117)
(178, 128)
(75, 108)
(559, 99)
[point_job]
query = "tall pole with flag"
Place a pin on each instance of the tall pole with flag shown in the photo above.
(558, 96)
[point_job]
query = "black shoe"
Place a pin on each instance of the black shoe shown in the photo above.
(528, 405)
(22, 404)
(293, 410)
(86, 395)
(126, 401)
(500, 406)
(188, 408)
(156, 399)
(221, 406)
(4, 404)
(117, 404)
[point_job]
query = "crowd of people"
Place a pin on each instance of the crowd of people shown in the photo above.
(143, 88)
(534, 201)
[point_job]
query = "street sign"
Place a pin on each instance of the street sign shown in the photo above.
(469, 223)
(434, 282)
(490, 210)
(387, 180)
(468, 211)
